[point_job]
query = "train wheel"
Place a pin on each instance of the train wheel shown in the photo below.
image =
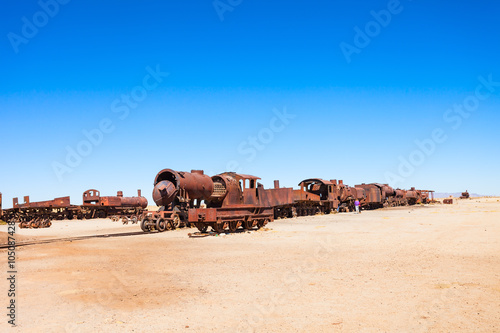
(145, 227)
(176, 221)
(161, 225)
(233, 225)
(114, 218)
(201, 227)
(134, 219)
(248, 224)
(35, 224)
(170, 225)
(260, 224)
(219, 227)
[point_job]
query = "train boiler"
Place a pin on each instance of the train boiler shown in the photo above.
(411, 196)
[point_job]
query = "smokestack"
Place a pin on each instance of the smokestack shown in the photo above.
(119, 194)
(276, 184)
(139, 193)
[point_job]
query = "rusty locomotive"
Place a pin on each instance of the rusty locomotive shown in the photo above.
(225, 201)
(229, 201)
(40, 214)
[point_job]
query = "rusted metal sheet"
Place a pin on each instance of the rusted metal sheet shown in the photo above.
(302, 195)
(465, 195)
(448, 201)
(277, 196)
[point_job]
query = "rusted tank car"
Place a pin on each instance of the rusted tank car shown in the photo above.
(315, 196)
(175, 192)
(237, 201)
(374, 198)
(97, 206)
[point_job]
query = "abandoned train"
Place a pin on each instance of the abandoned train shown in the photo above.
(229, 201)
(39, 214)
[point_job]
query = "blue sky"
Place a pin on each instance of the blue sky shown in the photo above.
(69, 68)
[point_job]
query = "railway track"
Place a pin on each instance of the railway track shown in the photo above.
(71, 239)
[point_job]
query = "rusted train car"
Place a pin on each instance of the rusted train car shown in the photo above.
(96, 206)
(40, 214)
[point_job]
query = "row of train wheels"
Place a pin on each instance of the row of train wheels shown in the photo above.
(233, 226)
(162, 224)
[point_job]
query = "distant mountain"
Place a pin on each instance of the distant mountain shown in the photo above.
(455, 195)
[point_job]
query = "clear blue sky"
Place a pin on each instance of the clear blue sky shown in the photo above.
(65, 70)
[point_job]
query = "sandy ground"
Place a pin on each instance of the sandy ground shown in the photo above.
(415, 269)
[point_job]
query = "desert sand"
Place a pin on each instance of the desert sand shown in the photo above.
(432, 268)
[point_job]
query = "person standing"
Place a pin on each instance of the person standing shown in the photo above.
(356, 205)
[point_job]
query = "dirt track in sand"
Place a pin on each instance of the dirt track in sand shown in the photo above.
(415, 269)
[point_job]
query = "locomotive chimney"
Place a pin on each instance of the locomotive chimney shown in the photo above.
(15, 202)
(276, 184)
(139, 193)
(341, 182)
(27, 199)
(119, 194)
(334, 181)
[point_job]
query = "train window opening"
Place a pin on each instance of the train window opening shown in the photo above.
(252, 183)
